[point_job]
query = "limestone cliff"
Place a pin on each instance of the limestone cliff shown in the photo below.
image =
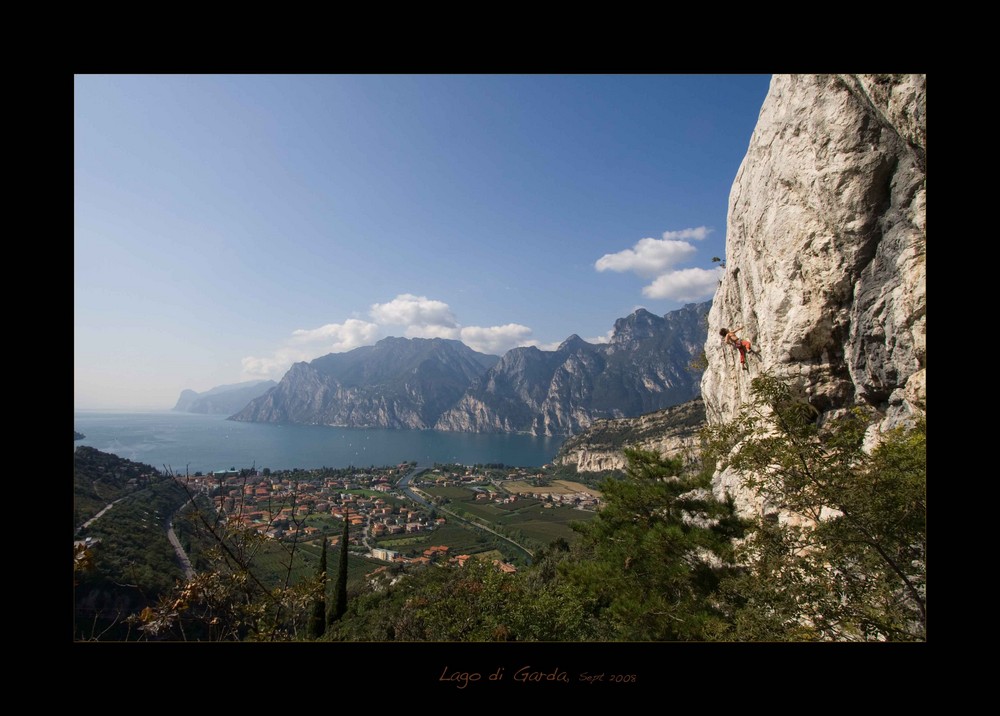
(825, 248)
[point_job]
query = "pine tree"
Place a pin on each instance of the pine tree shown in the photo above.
(652, 558)
(339, 604)
(317, 622)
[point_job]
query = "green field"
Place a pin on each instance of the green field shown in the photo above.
(452, 493)
(270, 564)
(460, 540)
(362, 491)
(491, 555)
(526, 520)
(327, 523)
(547, 530)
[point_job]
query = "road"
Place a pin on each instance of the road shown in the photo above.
(404, 485)
(94, 518)
(181, 554)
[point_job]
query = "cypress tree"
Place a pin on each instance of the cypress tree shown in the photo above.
(317, 622)
(339, 604)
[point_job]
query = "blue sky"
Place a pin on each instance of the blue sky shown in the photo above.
(228, 225)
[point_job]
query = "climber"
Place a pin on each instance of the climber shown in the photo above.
(743, 346)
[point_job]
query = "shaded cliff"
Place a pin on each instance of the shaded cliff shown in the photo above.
(644, 367)
(671, 432)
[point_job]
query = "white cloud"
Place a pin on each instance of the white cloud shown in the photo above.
(657, 258)
(648, 258)
(273, 367)
(409, 310)
(338, 337)
(496, 339)
(306, 344)
(606, 338)
(698, 233)
(690, 284)
(433, 331)
(421, 317)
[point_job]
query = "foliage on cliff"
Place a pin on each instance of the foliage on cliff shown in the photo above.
(840, 551)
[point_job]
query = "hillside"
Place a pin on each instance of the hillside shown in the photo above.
(129, 561)
(100, 478)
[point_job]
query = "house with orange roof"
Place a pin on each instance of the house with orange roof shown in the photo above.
(504, 567)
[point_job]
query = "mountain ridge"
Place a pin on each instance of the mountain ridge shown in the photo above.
(422, 383)
(396, 383)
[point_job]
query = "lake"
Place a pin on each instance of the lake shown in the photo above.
(210, 442)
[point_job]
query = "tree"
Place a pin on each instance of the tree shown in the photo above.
(652, 559)
(840, 552)
(339, 604)
(477, 602)
(317, 622)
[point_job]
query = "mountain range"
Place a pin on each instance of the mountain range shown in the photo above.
(223, 399)
(443, 384)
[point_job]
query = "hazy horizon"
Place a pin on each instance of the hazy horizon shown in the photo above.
(228, 226)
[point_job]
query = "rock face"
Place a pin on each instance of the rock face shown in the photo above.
(826, 245)
(644, 367)
(671, 432)
(223, 399)
(397, 383)
(825, 248)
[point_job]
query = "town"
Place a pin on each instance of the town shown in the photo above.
(401, 514)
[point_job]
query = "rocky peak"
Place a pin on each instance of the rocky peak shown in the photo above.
(572, 344)
(635, 327)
